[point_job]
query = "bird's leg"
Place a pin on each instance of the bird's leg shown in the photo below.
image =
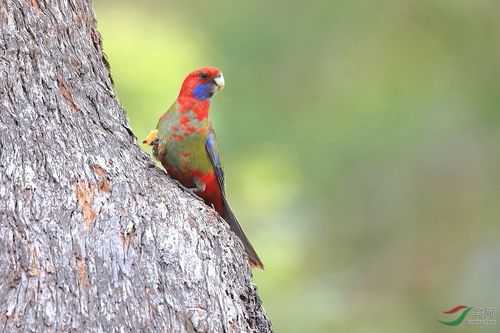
(199, 187)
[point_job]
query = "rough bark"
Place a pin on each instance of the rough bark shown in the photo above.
(93, 236)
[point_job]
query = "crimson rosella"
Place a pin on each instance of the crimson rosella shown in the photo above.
(184, 142)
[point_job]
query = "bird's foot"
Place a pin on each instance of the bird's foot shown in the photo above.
(192, 190)
(197, 189)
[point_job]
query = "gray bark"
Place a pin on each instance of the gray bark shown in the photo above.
(93, 236)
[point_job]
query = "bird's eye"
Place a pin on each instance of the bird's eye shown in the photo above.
(204, 75)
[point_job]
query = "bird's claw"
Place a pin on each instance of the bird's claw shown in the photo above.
(192, 190)
(197, 189)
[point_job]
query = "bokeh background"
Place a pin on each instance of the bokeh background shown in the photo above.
(361, 141)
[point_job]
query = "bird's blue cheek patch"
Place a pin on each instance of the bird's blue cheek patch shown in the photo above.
(203, 91)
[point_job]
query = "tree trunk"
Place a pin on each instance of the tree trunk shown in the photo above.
(93, 236)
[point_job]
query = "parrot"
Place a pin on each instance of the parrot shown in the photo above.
(184, 142)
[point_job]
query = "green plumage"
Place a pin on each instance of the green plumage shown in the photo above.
(183, 147)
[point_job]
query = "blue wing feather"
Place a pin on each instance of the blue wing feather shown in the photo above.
(213, 154)
(227, 214)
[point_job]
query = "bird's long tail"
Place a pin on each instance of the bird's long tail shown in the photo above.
(236, 228)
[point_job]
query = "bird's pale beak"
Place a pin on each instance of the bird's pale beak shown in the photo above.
(219, 81)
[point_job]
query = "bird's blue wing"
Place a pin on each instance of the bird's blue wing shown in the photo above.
(227, 214)
(213, 155)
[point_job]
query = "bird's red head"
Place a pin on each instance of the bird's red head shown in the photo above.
(202, 84)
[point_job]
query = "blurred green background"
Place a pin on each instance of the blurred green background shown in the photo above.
(361, 143)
